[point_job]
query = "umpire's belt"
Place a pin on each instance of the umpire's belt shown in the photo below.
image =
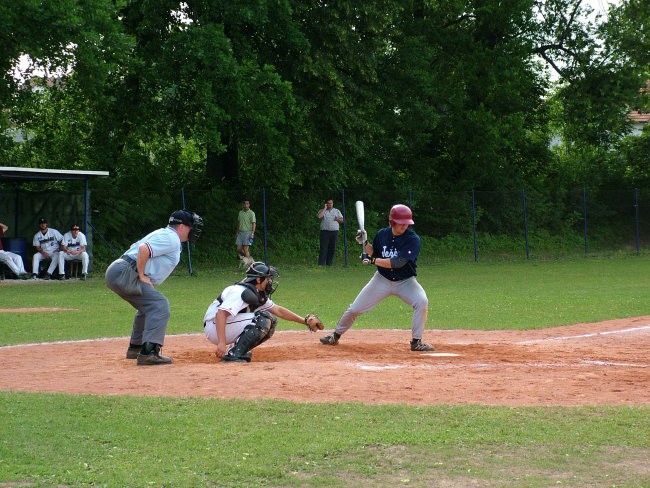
(129, 260)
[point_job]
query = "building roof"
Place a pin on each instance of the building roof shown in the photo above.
(639, 117)
(44, 174)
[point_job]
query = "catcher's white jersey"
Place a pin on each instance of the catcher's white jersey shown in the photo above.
(239, 313)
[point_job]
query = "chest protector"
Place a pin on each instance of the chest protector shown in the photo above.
(252, 297)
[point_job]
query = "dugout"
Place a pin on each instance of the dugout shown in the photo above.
(20, 209)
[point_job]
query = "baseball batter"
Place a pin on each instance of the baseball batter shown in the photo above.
(47, 243)
(244, 315)
(134, 276)
(74, 249)
(394, 252)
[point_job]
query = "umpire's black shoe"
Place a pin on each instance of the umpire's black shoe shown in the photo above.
(133, 351)
(418, 345)
(150, 355)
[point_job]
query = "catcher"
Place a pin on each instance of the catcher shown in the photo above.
(245, 316)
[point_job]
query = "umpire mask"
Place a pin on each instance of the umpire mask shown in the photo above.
(191, 219)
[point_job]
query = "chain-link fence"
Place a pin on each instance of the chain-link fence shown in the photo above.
(469, 225)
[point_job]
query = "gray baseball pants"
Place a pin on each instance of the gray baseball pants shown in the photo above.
(153, 311)
(378, 288)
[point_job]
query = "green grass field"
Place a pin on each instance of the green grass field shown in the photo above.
(84, 440)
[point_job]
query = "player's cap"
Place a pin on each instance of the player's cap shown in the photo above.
(42, 220)
(74, 227)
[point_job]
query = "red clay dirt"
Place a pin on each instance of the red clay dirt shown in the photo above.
(602, 363)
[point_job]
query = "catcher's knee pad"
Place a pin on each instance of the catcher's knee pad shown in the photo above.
(266, 322)
(259, 330)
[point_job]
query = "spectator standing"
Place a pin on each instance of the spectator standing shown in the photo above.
(246, 224)
(330, 218)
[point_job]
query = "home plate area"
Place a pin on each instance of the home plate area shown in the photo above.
(581, 364)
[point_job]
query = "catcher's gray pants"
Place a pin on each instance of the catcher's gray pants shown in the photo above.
(378, 288)
(150, 321)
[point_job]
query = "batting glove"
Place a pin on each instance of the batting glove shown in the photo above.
(365, 259)
(362, 237)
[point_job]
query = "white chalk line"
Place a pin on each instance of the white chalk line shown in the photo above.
(584, 363)
(583, 336)
(81, 341)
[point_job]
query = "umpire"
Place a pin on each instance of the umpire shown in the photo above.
(145, 265)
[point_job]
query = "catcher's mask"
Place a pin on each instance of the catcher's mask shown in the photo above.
(400, 214)
(260, 270)
(191, 219)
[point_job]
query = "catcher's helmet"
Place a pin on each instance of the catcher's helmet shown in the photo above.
(260, 270)
(400, 214)
(190, 219)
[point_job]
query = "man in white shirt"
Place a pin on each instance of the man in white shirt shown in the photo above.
(330, 218)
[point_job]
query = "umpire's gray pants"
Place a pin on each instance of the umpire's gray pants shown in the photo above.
(378, 288)
(150, 321)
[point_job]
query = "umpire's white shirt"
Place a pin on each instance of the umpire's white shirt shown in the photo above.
(165, 251)
(238, 316)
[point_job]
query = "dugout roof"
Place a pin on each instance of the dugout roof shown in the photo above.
(16, 175)
(42, 174)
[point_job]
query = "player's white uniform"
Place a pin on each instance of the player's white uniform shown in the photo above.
(13, 261)
(74, 244)
(239, 314)
(49, 242)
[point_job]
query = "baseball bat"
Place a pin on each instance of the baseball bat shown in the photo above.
(361, 215)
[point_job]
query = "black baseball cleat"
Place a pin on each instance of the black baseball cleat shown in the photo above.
(244, 358)
(133, 351)
(83, 276)
(331, 339)
(418, 345)
(47, 277)
(150, 355)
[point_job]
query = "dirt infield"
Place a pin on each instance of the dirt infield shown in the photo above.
(582, 364)
(32, 310)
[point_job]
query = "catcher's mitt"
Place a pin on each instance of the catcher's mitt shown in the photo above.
(313, 322)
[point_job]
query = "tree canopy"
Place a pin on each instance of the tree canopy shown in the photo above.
(381, 95)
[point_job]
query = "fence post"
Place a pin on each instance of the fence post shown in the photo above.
(189, 253)
(523, 205)
(636, 220)
(266, 258)
(474, 224)
(345, 226)
(584, 213)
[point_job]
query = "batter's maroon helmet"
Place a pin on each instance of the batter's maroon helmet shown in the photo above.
(400, 214)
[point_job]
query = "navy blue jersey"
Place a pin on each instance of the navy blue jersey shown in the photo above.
(386, 245)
